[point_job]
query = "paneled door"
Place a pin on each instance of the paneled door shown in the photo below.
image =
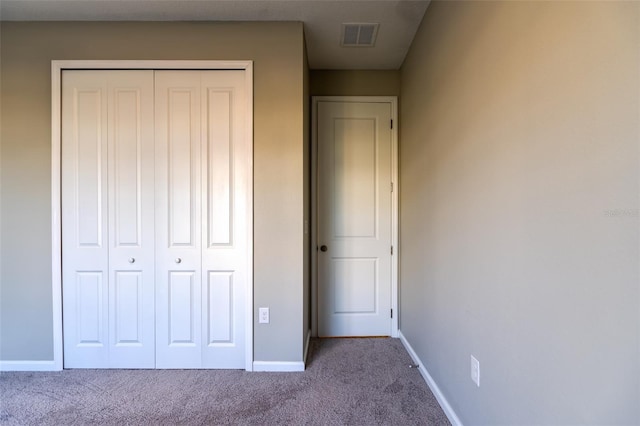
(107, 219)
(200, 205)
(155, 205)
(354, 218)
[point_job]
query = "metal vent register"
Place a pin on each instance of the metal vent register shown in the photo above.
(361, 35)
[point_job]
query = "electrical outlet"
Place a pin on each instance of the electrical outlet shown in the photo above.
(475, 370)
(263, 315)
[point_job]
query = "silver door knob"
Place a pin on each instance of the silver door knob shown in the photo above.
(178, 260)
(132, 259)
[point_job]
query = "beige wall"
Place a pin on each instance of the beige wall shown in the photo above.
(355, 83)
(279, 135)
(519, 209)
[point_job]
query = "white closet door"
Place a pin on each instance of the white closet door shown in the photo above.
(201, 170)
(107, 203)
(224, 213)
(178, 220)
(131, 220)
(155, 180)
(85, 255)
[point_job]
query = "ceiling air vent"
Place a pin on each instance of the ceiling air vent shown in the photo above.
(359, 35)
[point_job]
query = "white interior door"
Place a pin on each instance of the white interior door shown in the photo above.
(354, 218)
(201, 171)
(107, 219)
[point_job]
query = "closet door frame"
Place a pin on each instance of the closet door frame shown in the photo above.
(57, 67)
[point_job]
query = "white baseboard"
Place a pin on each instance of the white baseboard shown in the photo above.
(451, 415)
(306, 347)
(284, 366)
(28, 366)
(278, 366)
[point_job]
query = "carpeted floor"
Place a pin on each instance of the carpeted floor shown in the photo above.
(347, 382)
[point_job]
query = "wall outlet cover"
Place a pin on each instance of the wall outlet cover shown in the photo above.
(475, 370)
(263, 315)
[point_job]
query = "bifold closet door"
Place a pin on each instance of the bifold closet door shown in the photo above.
(201, 217)
(155, 219)
(108, 219)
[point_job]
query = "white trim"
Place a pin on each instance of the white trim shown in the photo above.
(56, 212)
(394, 220)
(446, 407)
(152, 65)
(56, 236)
(314, 217)
(393, 101)
(248, 358)
(278, 366)
(28, 366)
(306, 347)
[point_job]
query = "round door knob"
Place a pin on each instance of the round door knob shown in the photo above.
(323, 248)
(178, 260)
(132, 259)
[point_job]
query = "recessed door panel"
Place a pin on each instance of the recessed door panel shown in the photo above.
(220, 307)
(127, 147)
(88, 138)
(181, 308)
(183, 171)
(219, 167)
(90, 302)
(355, 181)
(128, 308)
(355, 286)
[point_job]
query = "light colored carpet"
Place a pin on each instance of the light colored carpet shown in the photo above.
(347, 382)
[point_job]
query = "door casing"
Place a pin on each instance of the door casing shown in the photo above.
(56, 190)
(393, 101)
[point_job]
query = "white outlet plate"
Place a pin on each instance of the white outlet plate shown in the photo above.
(475, 370)
(263, 315)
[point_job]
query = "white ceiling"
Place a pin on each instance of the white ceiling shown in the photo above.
(323, 19)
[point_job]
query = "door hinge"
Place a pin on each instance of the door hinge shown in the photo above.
(392, 313)
(392, 123)
(391, 186)
(391, 250)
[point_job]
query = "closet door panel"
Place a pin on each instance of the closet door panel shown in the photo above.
(85, 259)
(224, 232)
(131, 219)
(108, 230)
(178, 219)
